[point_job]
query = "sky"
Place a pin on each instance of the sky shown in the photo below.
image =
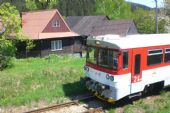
(150, 3)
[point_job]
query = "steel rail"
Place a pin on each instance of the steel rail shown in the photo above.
(58, 106)
(53, 107)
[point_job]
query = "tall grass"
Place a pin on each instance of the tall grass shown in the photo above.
(36, 79)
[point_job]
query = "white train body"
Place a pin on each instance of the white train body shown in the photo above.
(117, 67)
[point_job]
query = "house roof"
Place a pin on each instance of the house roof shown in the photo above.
(33, 24)
(119, 27)
(83, 25)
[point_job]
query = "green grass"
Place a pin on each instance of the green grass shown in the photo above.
(151, 104)
(54, 78)
(35, 79)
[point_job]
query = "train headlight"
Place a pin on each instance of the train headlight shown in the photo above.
(109, 77)
(86, 68)
(103, 87)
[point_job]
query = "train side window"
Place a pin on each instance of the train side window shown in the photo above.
(155, 57)
(167, 55)
(125, 59)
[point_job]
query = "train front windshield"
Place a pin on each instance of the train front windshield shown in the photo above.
(103, 57)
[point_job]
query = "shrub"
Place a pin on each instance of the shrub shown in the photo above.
(7, 51)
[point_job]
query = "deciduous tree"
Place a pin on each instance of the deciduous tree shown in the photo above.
(41, 4)
(19, 4)
(145, 21)
(115, 9)
(11, 22)
(167, 7)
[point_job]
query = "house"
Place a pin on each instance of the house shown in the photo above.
(100, 25)
(119, 27)
(50, 34)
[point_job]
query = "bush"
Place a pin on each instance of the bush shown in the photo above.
(7, 51)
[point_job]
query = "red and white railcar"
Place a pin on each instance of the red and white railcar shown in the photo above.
(117, 67)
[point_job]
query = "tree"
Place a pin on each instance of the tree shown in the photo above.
(115, 9)
(31, 5)
(167, 7)
(76, 7)
(119, 9)
(19, 4)
(145, 21)
(10, 18)
(11, 22)
(41, 4)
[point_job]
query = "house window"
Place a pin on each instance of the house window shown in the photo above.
(56, 23)
(155, 56)
(56, 45)
(167, 55)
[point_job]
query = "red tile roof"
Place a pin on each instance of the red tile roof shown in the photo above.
(57, 35)
(33, 24)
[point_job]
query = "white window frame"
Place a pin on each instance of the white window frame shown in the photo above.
(167, 50)
(157, 53)
(56, 45)
(56, 23)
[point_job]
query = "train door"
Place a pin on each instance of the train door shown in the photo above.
(136, 72)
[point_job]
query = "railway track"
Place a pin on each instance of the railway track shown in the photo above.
(75, 102)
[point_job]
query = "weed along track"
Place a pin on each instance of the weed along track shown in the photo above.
(74, 106)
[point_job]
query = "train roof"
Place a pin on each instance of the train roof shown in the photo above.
(130, 41)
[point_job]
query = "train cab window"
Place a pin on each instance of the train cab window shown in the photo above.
(125, 59)
(155, 57)
(91, 55)
(112, 59)
(108, 58)
(167, 55)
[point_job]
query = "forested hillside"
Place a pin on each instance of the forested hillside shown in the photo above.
(76, 7)
(114, 9)
(66, 7)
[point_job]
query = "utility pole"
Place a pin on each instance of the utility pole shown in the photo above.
(156, 16)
